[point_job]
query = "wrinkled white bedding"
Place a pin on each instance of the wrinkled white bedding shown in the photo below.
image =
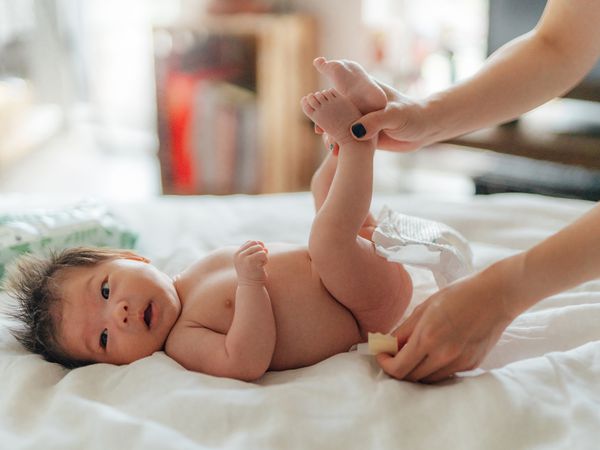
(539, 387)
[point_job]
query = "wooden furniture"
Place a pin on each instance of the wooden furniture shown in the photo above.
(517, 140)
(262, 63)
(560, 132)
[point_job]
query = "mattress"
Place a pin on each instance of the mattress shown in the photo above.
(538, 388)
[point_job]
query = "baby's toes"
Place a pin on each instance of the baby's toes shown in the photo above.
(313, 101)
(308, 110)
(328, 95)
(320, 96)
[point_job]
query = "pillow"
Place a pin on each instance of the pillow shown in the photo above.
(40, 231)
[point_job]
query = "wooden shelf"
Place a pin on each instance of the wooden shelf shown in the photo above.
(558, 132)
(515, 140)
(279, 74)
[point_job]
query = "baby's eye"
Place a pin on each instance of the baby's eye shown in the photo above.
(105, 290)
(104, 338)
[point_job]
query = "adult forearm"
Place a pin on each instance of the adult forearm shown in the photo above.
(519, 77)
(525, 73)
(562, 261)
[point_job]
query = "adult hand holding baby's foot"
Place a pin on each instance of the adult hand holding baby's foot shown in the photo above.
(402, 126)
(332, 112)
(249, 262)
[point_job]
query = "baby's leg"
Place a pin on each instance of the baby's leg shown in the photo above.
(320, 184)
(376, 291)
(353, 82)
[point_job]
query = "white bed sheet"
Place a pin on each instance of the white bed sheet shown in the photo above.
(538, 388)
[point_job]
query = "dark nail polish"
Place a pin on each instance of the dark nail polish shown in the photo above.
(358, 130)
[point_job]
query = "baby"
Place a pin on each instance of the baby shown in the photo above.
(238, 312)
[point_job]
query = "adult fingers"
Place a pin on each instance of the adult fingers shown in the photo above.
(404, 362)
(369, 125)
(406, 328)
(387, 143)
(433, 363)
(458, 365)
(464, 362)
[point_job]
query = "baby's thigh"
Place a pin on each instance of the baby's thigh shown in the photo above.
(375, 290)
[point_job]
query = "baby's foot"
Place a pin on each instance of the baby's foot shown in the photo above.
(352, 81)
(332, 112)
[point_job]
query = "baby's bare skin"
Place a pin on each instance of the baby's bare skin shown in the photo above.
(256, 308)
(311, 325)
(239, 312)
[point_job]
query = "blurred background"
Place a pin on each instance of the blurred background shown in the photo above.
(131, 99)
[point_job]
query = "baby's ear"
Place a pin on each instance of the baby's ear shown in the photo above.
(133, 256)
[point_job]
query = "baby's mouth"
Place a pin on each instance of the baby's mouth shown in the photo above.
(148, 315)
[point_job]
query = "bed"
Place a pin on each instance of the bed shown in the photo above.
(538, 388)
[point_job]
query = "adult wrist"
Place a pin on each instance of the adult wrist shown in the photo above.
(434, 118)
(510, 284)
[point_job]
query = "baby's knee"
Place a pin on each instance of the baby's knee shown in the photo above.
(325, 244)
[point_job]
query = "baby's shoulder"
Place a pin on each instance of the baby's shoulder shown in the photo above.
(214, 260)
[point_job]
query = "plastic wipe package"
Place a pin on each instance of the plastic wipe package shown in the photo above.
(423, 243)
(40, 231)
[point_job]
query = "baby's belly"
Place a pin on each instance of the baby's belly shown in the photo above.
(311, 324)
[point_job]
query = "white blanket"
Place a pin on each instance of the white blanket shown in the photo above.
(538, 388)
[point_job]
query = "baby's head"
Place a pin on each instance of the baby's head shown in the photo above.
(85, 305)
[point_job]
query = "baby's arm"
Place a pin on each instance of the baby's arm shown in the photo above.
(251, 338)
(245, 352)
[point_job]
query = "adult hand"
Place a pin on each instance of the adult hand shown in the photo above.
(401, 126)
(451, 331)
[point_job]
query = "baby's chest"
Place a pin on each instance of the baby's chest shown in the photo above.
(211, 303)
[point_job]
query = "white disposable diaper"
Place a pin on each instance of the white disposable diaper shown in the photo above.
(423, 243)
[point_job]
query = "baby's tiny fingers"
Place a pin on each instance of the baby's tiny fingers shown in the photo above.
(249, 244)
(261, 257)
(253, 251)
(258, 255)
(245, 245)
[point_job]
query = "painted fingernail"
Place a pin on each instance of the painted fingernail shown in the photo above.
(358, 130)
(331, 146)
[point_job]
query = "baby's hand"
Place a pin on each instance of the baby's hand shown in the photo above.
(250, 261)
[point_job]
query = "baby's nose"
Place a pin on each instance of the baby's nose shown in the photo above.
(120, 313)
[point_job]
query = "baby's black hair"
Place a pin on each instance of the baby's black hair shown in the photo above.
(34, 282)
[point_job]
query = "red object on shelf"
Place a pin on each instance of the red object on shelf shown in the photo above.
(179, 90)
(181, 93)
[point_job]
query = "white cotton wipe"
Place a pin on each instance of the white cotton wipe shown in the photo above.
(423, 243)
